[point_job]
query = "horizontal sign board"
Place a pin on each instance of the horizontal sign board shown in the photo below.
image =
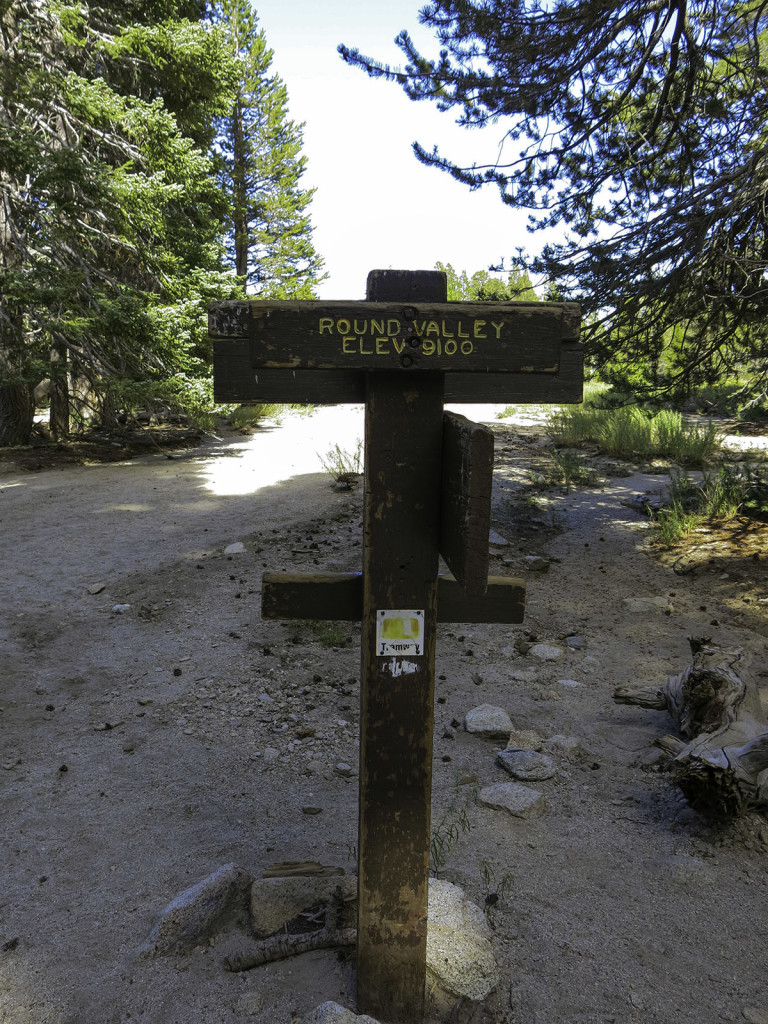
(339, 597)
(236, 380)
(486, 337)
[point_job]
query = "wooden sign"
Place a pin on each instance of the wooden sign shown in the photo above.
(465, 508)
(511, 337)
(404, 351)
(339, 597)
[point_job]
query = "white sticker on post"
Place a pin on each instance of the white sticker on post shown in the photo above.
(400, 633)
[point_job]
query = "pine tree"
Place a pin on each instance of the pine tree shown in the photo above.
(482, 286)
(638, 128)
(110, 217)
(270, 237)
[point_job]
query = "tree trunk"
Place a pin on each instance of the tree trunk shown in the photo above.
(17, 414)
(108, 410)
(723, 767)
(59, 414)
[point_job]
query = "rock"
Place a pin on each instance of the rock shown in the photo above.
(460, 960)
(333, 1013)
(96, 588)
(524, 739)
(535, 563)
(516, 799)
(311, 809)
(497, 540)
(523, 675)
(576, 643)
(755, 1015)
(198, 911)
(526, 765)
(234, 549)
(488, 721)
(546, 652)
(570, 746)
(118, 609)
(568, 682)
(646, 605)
(271, 754)
(275, 901)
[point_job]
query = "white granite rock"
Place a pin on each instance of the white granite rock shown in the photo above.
(460, 960)
(488, 721)
(196, 912)
(546, 652)
(526, 765)
(514, 798)
(333, 1013)
(275, 901)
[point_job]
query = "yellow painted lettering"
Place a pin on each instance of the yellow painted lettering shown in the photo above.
(460, 332)
(377, 327)
(343, 326)
(346, 344)
(326, 324)
(363, 350)
(381, 346)
(419, 327)
(428, 347)
(497, 328)
(393, 327)
(479, 333)
(432, 328)
(399, 344)
(446, 332)
(467, 348)
(450, 347)
(361, 330)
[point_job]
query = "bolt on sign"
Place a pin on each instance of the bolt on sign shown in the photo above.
(405, 351)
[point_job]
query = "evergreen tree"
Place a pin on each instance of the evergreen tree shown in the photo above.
(270, 234)
(639, 128)
(484, 287)
(110, 217)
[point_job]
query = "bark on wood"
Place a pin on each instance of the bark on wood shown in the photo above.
(279, 947)
(17, 414)
(721, 763)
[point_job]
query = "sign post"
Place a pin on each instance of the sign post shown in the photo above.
(404, 351)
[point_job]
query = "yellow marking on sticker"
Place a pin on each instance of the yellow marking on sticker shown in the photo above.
(400, 629)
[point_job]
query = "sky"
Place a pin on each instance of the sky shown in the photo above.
(376, 206)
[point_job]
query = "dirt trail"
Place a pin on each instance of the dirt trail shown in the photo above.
(153, 729)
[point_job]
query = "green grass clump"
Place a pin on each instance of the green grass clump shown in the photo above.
(630, 433)
(568, 469)
(341, 462)
(720, 497)
(250, 415)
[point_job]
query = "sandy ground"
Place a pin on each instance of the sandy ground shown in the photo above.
(153, 728)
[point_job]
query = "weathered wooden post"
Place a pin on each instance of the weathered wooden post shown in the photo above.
(427, 492)
(403, 464)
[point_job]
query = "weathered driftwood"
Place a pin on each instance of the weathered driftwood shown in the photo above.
(279, 947)
(721, 762)
(331, 935)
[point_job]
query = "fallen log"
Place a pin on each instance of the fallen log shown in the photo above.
(721, 762)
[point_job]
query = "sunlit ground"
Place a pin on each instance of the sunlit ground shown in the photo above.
(295, 447)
